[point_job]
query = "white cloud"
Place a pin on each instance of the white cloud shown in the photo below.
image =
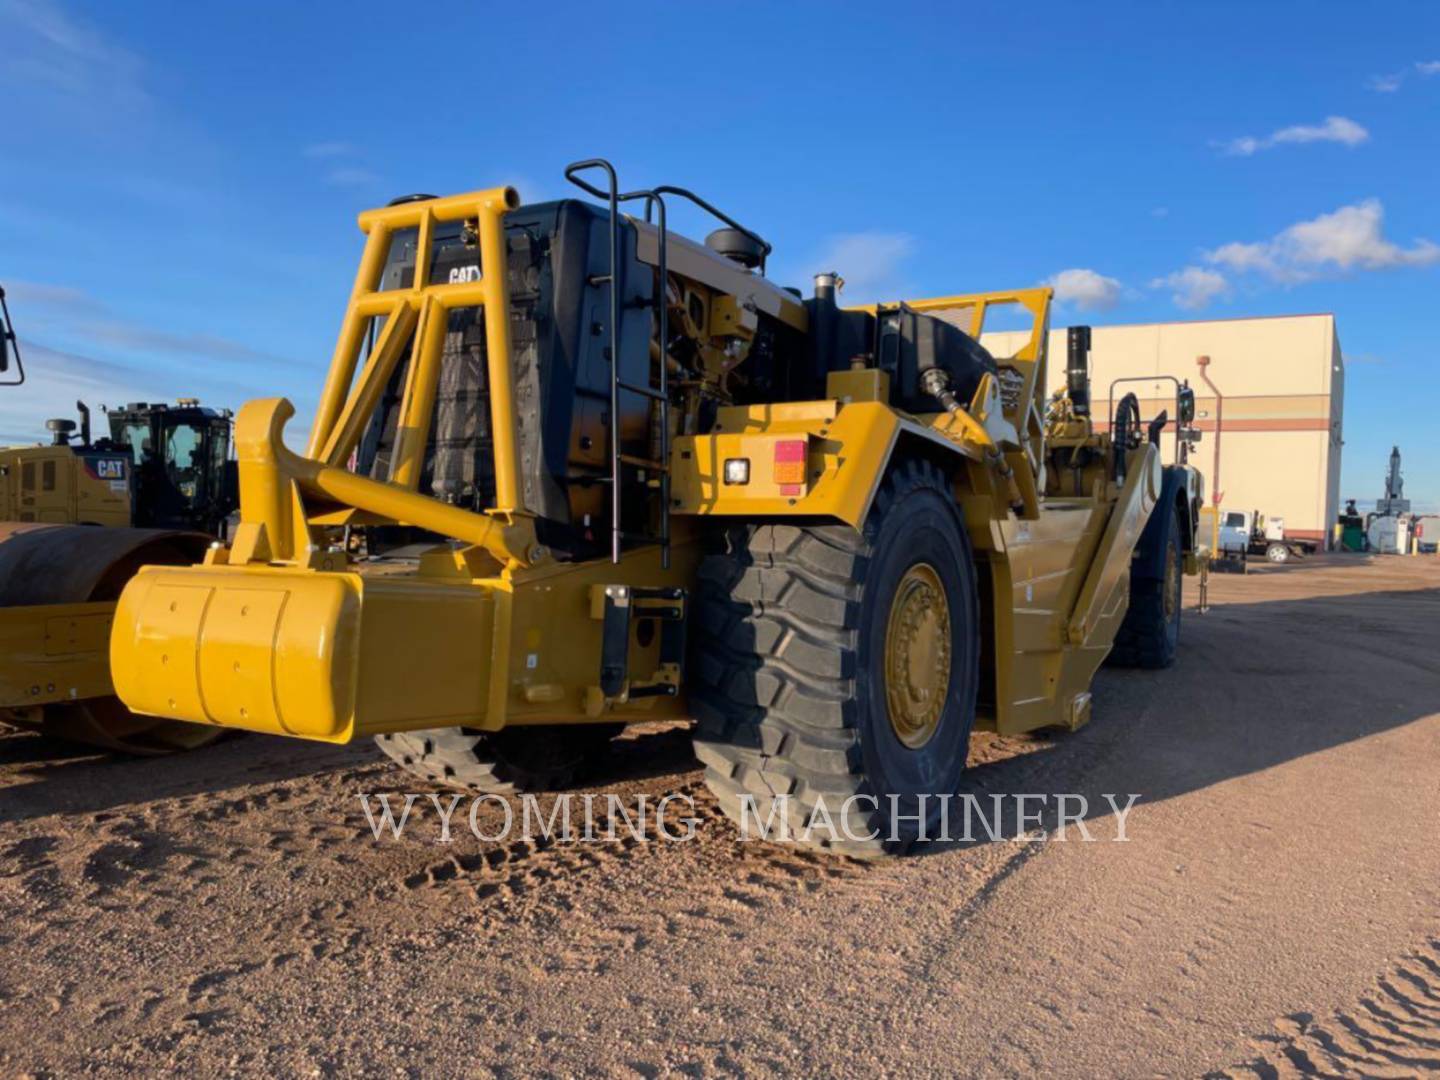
(1086, 289)
(328, 150)
(351, 176)
(1193, 287)
(1391, 82)
(1336, 129)
(1243, 257)
(342, 164)
(1350, 238)
(74, 313)
(46, 47)
(35, 292)
(870, 263)
(55, 380)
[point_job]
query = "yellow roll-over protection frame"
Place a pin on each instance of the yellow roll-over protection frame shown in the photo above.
(275, 483)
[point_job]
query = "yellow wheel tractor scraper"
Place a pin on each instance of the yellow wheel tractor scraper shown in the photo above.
(571, 470)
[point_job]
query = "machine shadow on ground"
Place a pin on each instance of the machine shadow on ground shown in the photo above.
(47, 776)
(1228, 707)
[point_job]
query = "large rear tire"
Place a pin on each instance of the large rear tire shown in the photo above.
(836, 671)
(511, 761)
(1150, 633)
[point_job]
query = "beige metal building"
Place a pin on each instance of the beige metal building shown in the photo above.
(1281, 382)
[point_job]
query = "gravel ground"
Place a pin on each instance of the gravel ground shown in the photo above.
(1275, 910)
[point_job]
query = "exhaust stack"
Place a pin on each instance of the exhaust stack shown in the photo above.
(1077, 369)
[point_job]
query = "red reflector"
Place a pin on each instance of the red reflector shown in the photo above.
(790, 461)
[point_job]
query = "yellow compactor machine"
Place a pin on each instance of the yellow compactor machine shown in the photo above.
(571, 470)
(77, 518)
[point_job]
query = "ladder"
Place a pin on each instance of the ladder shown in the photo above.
(660, 394)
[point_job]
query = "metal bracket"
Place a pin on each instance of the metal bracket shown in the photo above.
(622, 604)
(615, 641)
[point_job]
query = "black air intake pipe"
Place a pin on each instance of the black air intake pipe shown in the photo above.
(1077, 369)
(824, 313)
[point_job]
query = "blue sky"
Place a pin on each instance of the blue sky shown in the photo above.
(178, 183)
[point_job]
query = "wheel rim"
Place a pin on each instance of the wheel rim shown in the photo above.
(917, 656)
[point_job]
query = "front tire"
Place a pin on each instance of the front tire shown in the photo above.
(511, 761)
(837, 671)
(1150, 633)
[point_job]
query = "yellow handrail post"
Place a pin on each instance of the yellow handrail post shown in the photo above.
(418, 403)
(373, 379)
(352, 335)
(495, 260)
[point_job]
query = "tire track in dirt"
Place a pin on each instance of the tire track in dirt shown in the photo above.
(1393, 1030)
(519, 882)
(231, 911)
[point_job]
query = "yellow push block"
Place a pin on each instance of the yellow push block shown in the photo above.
(327, 656)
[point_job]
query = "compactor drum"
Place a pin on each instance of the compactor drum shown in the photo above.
(571, 471)
(58, 587)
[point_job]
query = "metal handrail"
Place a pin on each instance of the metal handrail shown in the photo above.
(7, 330)
(718, 214)
(1179, 425)
(653, 197)
(613, 197)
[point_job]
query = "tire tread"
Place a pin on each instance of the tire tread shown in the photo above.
(776, 657)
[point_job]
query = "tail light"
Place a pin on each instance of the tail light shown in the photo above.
(789, 471)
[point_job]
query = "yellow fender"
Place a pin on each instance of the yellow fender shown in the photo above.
(818, 458)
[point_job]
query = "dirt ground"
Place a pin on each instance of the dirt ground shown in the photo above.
(1276, 909)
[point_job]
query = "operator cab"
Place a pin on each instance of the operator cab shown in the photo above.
(181, 462)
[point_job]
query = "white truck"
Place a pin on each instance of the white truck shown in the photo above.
(1249, 532)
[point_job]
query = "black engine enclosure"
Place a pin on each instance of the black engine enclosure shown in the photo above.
(559, 326)
(910, 343)
(558, 256)
(900, 341)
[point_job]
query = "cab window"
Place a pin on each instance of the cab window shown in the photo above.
(137, 438)
(181, 444)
